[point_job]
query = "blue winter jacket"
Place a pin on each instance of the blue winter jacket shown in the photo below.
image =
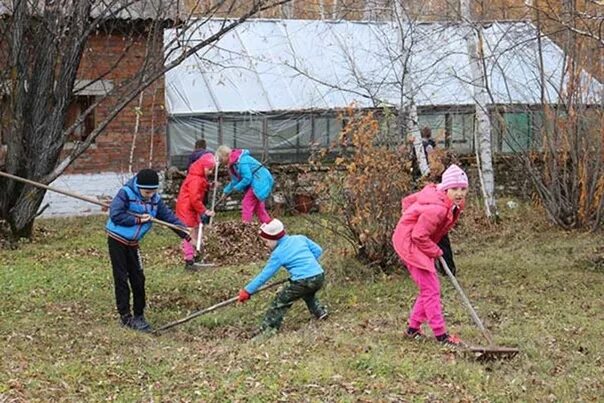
(250, 172)
(298, 254)
(127, 228)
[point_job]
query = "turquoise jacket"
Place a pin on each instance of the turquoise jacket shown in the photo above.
(298, 254)
(247, 171)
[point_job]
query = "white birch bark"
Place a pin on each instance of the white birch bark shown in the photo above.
(407, 99)
(288, 9)
(138, 111)
(482, 129)
(321, 10)
(367, 11)
(413, 128)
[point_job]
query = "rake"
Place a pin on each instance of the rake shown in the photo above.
(492, 351)
(213, 308)
(89, 200)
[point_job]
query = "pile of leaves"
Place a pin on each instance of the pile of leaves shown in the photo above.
(228, 243)
(234, 242)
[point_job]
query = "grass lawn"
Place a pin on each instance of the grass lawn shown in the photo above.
(537, 288)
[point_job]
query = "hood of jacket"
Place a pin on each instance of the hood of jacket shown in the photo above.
(198, 168)
(428, 195)
(236, 154)
(132, 185)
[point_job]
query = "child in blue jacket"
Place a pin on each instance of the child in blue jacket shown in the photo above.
(129, 220)
(299, 255)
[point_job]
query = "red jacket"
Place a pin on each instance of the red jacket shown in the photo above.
(189, 205)
(427, 217)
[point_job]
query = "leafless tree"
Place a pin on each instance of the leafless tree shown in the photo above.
(43, 43)
(566, 164)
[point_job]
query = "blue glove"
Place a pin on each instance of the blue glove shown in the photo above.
(205, 219)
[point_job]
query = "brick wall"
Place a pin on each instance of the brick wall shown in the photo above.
(111, 151)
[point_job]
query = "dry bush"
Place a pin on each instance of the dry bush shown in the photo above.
(569, 173)
(363, 188)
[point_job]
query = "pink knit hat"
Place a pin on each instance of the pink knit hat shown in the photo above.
(453, 177)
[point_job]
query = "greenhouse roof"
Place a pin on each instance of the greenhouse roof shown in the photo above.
(293, 65)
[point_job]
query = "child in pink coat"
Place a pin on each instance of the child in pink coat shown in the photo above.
(427, 216)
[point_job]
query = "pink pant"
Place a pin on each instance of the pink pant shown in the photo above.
(250, 205)
(427, 306)
(188, 250)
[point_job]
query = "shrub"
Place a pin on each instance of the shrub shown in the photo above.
(364, 186)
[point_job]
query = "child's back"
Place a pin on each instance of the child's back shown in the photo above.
(299, 256)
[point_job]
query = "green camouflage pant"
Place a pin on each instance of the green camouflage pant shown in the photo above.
(302, 289)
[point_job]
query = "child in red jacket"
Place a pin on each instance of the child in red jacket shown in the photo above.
(427, 216)
(190, 207)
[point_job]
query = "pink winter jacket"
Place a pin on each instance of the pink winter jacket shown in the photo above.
(427, 217)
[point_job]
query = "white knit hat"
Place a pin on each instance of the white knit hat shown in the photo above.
(273, 230)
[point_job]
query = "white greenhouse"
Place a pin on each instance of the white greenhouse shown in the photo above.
(277, 87)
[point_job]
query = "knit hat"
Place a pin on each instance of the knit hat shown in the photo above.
(453, 177)
(273, 230)
(147, 179)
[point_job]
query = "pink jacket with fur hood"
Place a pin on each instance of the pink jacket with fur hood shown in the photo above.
(427, 217)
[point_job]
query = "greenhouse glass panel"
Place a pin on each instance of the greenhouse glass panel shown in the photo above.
(462, 135)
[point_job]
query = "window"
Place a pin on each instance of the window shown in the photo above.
(327, 130)
(462, 132)
(511, 131)
(78, 106)
(243, 132)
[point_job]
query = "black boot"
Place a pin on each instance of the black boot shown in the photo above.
(139, 323)
(322, 314)
(126, 320)
(191, 266)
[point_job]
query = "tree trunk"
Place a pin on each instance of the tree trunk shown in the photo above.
(474, 47)
(38, 105)
(409, 119)
(43, 47)
(418, 146)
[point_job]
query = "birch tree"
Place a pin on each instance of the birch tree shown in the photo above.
(408, 116)
(482, 130)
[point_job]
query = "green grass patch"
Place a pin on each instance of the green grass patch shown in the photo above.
(536, 288)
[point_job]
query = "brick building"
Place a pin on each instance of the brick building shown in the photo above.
(128, 40)
(128, 35)
(143, 121)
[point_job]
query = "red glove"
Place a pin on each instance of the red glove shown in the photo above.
(243, 295)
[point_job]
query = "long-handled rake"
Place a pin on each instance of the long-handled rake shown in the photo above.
(213, 308)
(88, 199)
(483, 353)
(201, 250)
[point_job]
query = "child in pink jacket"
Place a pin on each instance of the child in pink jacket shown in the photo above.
(427, 216)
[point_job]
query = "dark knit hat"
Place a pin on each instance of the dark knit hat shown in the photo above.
(147, 179)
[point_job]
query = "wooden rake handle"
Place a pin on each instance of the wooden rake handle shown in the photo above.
(87, 199)
(213, 308)
(466, 301)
